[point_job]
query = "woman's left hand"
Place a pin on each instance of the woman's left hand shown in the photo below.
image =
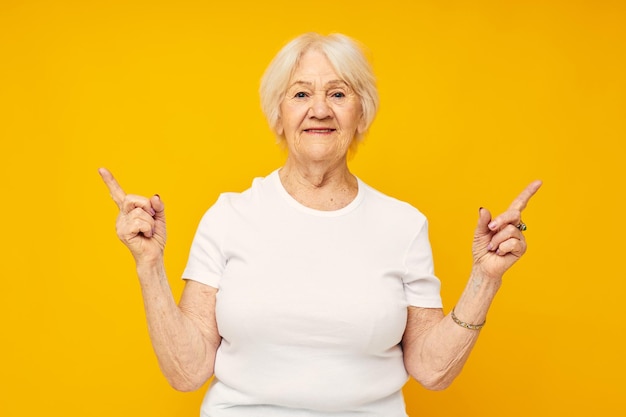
(499, 242)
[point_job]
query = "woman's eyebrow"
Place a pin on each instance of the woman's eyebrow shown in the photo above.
(331, 83)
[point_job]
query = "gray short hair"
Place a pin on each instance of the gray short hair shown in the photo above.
(345, 55)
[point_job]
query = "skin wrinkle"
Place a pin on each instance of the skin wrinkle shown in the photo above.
(329, 85)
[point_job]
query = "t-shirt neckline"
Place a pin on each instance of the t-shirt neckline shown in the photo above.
(275, 178)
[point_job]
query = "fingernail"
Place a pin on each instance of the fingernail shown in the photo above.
(157, 196)
(492, 225)
(489, 247)
(480, 209)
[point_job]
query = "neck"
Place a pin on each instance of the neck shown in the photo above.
(319, 187)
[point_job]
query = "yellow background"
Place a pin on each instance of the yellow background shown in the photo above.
(478, 99)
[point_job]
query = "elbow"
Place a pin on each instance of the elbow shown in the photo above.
(435, 384)
(187, 381)
(184, 387)
(185, 375)
(187, 384)
(431, 379)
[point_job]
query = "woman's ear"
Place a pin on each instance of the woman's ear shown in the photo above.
(362, 126)
(278, 127)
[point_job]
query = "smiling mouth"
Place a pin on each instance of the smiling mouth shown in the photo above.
(319, 130)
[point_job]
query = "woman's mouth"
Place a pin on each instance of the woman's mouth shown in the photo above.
(319, 130)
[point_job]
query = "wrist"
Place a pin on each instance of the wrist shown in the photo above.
(149, 266)
(465, 324)
(479, 293)
(484, 279)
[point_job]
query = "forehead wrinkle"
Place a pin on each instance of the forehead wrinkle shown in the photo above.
(331, 83)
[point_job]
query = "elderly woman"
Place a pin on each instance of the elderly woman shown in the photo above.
(312, 294)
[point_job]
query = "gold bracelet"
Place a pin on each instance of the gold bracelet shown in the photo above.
(466, 325)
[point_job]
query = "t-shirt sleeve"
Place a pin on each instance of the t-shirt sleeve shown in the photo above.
(206, 258)
(421, 286)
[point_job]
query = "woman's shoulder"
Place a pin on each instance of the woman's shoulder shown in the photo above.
(388, 204)
(248, 198)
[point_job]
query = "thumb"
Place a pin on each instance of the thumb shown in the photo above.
(484, 217)
(158, 206)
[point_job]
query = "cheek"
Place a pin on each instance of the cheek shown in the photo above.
(356, 118)
(288, 117)
(356, 121)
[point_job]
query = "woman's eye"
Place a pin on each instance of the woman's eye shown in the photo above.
(300, 94)
(338, 94)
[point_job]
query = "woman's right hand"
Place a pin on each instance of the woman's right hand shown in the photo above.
(140, 223)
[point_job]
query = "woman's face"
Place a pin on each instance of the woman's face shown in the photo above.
(320, 114)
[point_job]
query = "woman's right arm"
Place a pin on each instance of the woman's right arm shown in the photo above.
(184, 336)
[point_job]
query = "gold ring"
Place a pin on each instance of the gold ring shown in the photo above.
(521, 226)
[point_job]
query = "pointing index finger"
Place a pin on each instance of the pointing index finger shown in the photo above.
(114, 187)
(521, 201)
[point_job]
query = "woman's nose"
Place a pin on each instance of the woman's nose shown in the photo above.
(319, 106)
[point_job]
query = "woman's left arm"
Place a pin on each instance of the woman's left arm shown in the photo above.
(436, 346)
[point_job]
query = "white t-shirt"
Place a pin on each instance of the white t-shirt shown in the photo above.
(312, 305)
